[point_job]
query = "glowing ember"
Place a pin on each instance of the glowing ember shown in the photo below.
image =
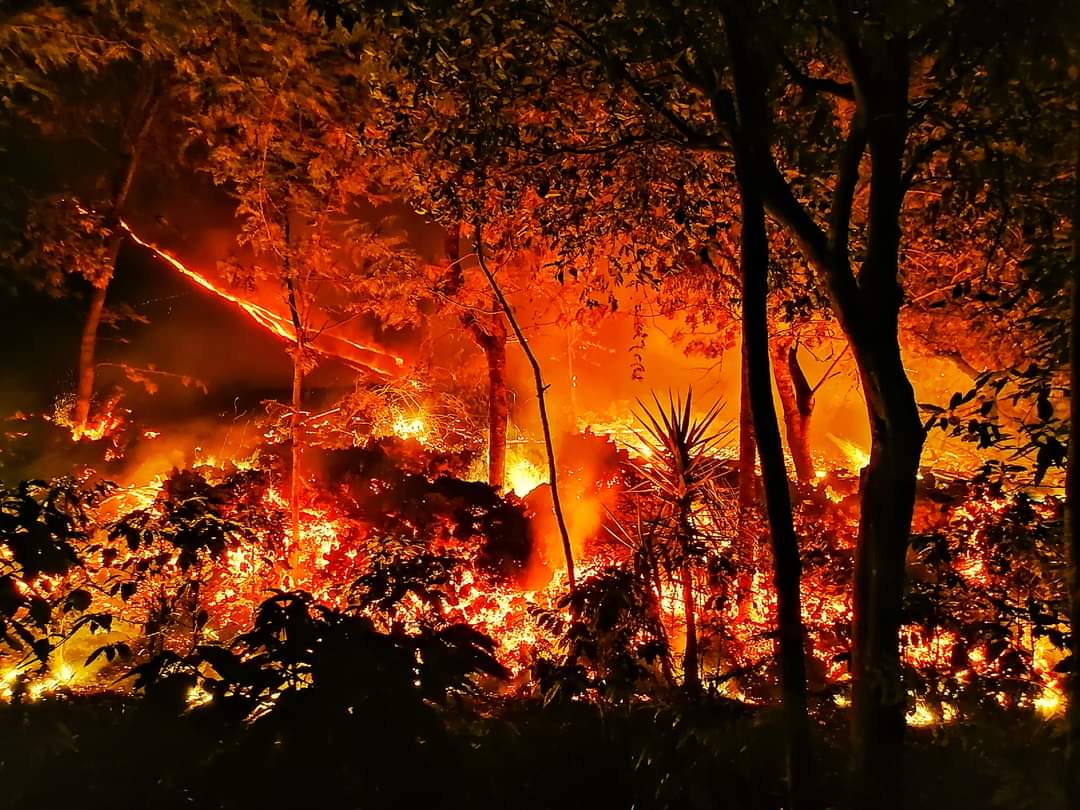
(412, 427)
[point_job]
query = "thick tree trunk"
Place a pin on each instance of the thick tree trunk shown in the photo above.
(1072, 501)
(888, 484)
(498, 402)
(489, 332)
(87, 353)
(887, 497)
(88, 343)
(797, 403)
(787, 565)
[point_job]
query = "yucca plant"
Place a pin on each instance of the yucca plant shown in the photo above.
(683, 466)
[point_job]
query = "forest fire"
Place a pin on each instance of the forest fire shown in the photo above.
(539, 404)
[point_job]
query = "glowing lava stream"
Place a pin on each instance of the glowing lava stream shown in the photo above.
(370, 358)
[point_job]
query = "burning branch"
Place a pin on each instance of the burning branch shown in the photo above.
(355, 355)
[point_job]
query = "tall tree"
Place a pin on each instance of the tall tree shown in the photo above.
(103, 76)
(272, 114)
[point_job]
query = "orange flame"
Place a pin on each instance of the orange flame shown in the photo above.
(358, 355)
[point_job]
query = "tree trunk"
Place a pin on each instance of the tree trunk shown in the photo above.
(88, 351)
(787, 565)
(867, 305)
(297, 401)
(88, 343)
(751, 157)
(489, 332)
(296, 439)
(797, 403)
(691, 673)
(747, 445)
(652, 574)
(1072, 524)
(494, 346)
(747, 492)
(888, 482)
(541, 387)
(691, 668)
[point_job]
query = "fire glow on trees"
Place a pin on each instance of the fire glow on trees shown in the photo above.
(837, 198)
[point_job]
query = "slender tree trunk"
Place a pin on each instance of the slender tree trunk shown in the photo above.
(751, 157)
(1072, 499)
(691, 667)
(296, 439)
(296, 419)
(747, 491)
(84, 394)
(541, 388)
(797, 403)
(747, 445)
(787, 565)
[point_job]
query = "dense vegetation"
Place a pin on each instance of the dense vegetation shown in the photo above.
(380, 602)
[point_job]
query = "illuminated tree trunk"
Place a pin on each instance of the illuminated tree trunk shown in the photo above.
(754, 261)
(691, 668)
(787, 567)
(84, 393)
(888, 483)
(1072, 523)
(541, 388)
(296, 437)
(498, 411)
(867, 305)
(747, 445)
(747, 491)
(88, 348)
(489, 332)
(797, 403)
(653, 575)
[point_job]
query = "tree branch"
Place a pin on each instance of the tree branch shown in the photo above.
(816, 84)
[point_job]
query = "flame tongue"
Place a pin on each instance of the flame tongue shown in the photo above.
(357, 355)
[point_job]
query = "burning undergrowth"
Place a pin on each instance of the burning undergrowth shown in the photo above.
(192, 578)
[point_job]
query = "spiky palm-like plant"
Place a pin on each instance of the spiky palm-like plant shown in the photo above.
(682, 468)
